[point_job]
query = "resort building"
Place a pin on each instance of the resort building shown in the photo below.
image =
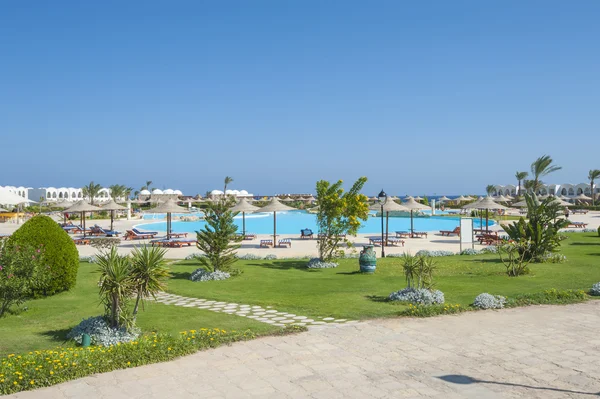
(566, 189)
(158, 195)
(54, 194)
(236, 193)
(20, 191)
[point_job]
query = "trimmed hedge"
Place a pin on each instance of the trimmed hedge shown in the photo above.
(60, 253)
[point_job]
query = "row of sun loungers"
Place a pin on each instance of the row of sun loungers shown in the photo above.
(408, 234)
(390, 241)
(136, 234)
(449, 232)
(284, 242)
(578, 225)
(173, 242)
(579, 211)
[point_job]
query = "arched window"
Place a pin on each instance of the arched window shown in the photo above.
(80, 195)
(579, 191)
(571, 191)
(53, 195)
(563, 191)
(73, 195)
(60, 195)
(586, 191)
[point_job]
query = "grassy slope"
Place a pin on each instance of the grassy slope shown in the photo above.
(341, 292)
(47, 321)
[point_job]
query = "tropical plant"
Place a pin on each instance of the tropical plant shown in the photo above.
(542, 167)
(149, 273)
(60, 253)
(147, 186)
(514, 256)
(520, 176)
(339, 214)
(418, 271)
(539, 234)
(593, 175)
(228, 179)
(116, 286)
(91, 191)
(489, 189)
(119, 191)
(218, 239)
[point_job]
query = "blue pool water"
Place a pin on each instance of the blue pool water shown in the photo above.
(292, 222)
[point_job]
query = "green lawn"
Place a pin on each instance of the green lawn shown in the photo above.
(343, 293)
(46, 321)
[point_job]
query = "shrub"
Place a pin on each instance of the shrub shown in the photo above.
(101, 333)
(489, 301)
(316, 263)
(595, 291)
(202, 274)
(194, 256)
(598, 231)
(105, 242)
(249, 257)
(60, 253)
(513, 255)
(270, 257)
(418, 296)
(470, 251)
(432, 310)
(554, 258)
(87, 259)
(434, 254)
(418, 271)
(549, 297)
(489, 250)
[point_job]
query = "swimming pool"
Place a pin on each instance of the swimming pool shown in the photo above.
(292, 222)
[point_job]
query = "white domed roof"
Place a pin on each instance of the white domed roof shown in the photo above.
(216, 192)
(145, 192)
(229, 192)
(168, 191)
(51, 188)
(243, 192)
(178, 192)
(157, 191)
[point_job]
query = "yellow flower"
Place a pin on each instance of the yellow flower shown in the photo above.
(129, 363)
(169, 348)
(15, 383)
(51, 372)
(31, 382)
(89, 364)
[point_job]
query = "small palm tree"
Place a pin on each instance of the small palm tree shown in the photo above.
(91, 191)
(116, 284)
(520, 177)
(149, 273)
(489, 189)
(228, 179)
(593, 175)
(542, 167)
(117, 191)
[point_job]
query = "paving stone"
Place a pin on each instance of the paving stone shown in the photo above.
(270, 311)
(300, 317)
(328, 318)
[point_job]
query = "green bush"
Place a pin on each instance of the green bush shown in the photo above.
(60, 253)
(548, 297)
(432, 310)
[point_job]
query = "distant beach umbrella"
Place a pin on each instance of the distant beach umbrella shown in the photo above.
(389, 206)
(444, 199)
(112, 206)
(501, 198)
(275, 206)
(245, 207)
(82, 207)
(486, 203)
(582, 198)
(413, 205)
(169, 206)
(462, 198)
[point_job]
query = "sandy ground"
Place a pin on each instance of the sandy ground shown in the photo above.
(300, 247)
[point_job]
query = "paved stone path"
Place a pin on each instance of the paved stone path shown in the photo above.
(258, 313)
(535, 352)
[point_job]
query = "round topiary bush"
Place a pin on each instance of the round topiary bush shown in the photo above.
(60, 253)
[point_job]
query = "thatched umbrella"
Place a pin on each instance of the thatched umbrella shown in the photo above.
(82, 207)
(444, 199)
(275, 206)
(462, 198)
(244, 206)
(62, 205)
(582, 198)
(389, 206)
(412, 205)
(486, 203)
(501, 198)
(405, 198)
(112, 206)
(169, 206)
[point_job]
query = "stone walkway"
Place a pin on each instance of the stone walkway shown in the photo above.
(258, 313)
(535, 352)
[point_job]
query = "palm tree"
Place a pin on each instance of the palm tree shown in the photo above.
(116, 284)
(528, 185)
(520, 177)
(91, 191)
(542, 167)
(593, 175)
(490, 189)
(147, 186)
(149, 273)
(118, 191)
(228, 180)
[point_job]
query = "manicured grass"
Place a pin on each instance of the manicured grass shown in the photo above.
(344, 293)
(46, 321)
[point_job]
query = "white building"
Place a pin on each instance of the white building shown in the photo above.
(566, 189)
(20, 191)
(235, 193)
(158, 195)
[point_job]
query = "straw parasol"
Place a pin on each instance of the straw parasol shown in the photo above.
(582, 198)
(275, 206)
(462, 198)
(486, 203)
(564, 197)
(405, 198)
(501, 198)
(417, 198)
(412, 205)
(389, 206)
(112, 206)
(244, 206)
(169, 206)
(62, 205)
(444, 199)
(82, 207)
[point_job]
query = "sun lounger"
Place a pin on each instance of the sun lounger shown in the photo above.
(419, 234)
(578, 225)
(249, 236)
(152, 233)
(489, 239)
(178, 235)
(99, 231)
(580, 211)
(70, 229)
(173, 242)
(81, 241)
(266, 243)
(395, 241)
(306, 234)
(132, 235)
(375, 241)
(402, 234)
(448, 232)
(285, 242)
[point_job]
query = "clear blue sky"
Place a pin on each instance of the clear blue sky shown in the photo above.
(421, 97)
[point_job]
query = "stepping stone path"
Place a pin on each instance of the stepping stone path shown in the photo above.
(265, 315)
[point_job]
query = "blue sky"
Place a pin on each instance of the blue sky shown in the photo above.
(421, 97)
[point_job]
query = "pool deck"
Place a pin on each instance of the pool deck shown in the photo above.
(300, 247)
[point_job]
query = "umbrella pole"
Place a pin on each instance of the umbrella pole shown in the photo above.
(83, 222)
(412, 229)
(244, 224)
(168, 225)
(112, 216)
(487, 218)
(274, 229)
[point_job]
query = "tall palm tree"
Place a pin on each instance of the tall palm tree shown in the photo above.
(528, 185)
(520, 177)
(593, 175)
(91, 191)
(542, 167)
(228, 179)
(118, 191)
(489, 189)
(149, 273)
(116, 284)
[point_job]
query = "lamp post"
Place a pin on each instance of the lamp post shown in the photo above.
(382, 197)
